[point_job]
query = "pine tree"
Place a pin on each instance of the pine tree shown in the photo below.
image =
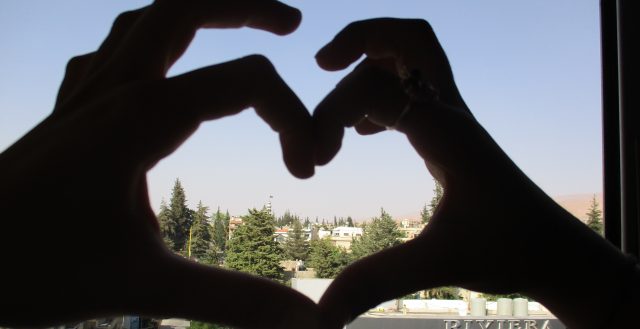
(287, 219)
(202, 248)
(594, 217)
(326, 259)
(220, 230)
(180, 217)
(167, 226)
(425, 214)
(296, 246)
(438, 192)
(380, 234)
(226, 221)
(349, 221)
(252, 248)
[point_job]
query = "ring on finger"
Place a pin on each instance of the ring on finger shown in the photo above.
(419, 91)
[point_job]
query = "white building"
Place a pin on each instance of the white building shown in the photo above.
(345, 231)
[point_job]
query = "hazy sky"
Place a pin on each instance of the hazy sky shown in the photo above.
(530, 71)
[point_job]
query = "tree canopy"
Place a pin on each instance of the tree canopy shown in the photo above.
(381, 233)
(594, 217)
(252, 248)
(201, 246)
(296, 246)
(326, 259)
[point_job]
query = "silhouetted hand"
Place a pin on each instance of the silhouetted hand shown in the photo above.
(494, 231)
(79, 238)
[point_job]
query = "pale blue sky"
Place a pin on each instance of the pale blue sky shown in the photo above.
(530, 71)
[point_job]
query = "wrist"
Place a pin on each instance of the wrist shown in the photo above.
(584, 276)
(625, 307)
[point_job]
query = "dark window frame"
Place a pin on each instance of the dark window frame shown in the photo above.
(621, 146)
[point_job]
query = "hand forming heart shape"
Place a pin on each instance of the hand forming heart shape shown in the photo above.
(117, 115)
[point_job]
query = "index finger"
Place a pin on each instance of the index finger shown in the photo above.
(166, 28)
(183, 289)
(377, 38)
(375, 279)
(160, 115)
(412, 43)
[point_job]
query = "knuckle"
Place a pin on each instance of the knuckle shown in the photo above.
(260, 64)
(354, 26)
(422, 25)
(79, 62)
(126, 19)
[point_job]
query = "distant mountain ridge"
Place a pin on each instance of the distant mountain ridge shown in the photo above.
(579, 204)
(576, 204)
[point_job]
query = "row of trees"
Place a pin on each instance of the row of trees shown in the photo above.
(252, 249)
(204, 238)
(328, 260)
(193, 233)
(288, 220)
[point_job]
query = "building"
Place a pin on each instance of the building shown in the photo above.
(345, 231)
(410, 228)
(234, 223)
(341, 236)
(281, 234)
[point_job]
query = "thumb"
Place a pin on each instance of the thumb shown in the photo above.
(380, 277)
(205, 293)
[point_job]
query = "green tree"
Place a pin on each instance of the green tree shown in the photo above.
(443, 293)
(252, 248)
(220, 229)
(296, 246)
(326, 259)
(287, 219)
(381, 233)
(167, 226)
(495, 297)
(594, 217)
(180, 217)
(425, 214)
(201, 246)
(349, 221)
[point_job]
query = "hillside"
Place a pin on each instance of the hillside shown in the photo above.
(576, 204)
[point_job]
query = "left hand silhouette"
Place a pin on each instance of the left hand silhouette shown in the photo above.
(117, 115)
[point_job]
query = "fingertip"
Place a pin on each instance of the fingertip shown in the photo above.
(328, 143)
(297, 152)
(275, 17)
(331, 59)
(294, 18)
(302, 172)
